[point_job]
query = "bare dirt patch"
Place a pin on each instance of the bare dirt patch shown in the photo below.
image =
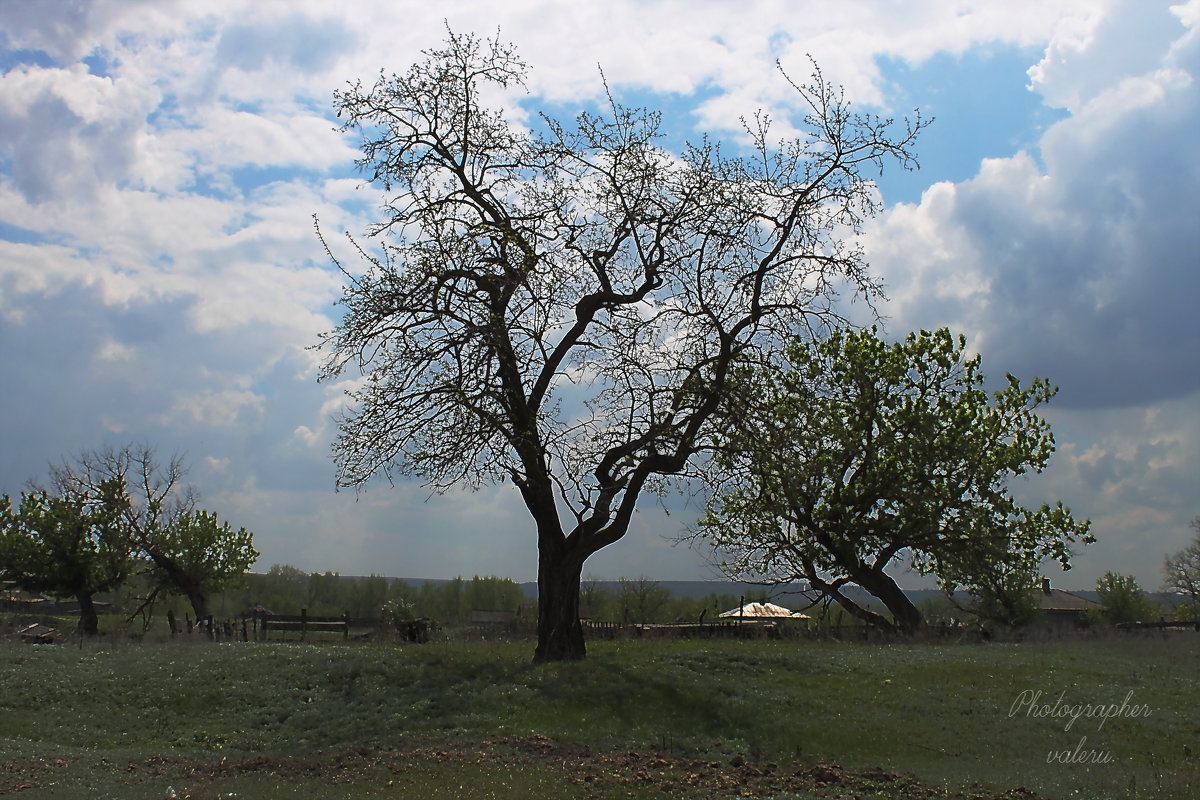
(592, 770)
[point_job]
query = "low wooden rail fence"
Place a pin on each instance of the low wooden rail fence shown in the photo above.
(302, 622)
(723, 628)
(1162, 624)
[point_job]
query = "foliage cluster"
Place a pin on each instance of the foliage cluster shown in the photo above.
(1123, 601)
(285, 589)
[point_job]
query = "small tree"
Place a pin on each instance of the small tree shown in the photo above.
(857, 454)
(561, 310)
(598, 600)
(1007, 594)
(1182, 572)
(1122, 600)
(282, 589)
(641, 599)
(397, 612)
(65, 547)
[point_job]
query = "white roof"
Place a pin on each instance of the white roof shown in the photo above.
(763, 611)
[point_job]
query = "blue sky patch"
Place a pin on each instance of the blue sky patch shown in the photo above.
(13, 233)
(981, 107)
(11, 59)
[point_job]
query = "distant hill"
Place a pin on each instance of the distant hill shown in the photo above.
(787, 595)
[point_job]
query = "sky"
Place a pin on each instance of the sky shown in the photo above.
(161, 282)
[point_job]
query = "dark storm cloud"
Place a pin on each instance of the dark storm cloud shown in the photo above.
(1085, 270)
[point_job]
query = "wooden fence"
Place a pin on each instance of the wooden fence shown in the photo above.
(749, 629)
(210, 627)
(263, 624)
(1162, 624)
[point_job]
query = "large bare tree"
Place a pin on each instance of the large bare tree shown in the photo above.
(561, 308)
(1181, 571)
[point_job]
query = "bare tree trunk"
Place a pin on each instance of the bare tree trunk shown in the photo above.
(560, 633)
(89, 622)
(199, 601)
(907, 617)
(180, 581)
(858, 612)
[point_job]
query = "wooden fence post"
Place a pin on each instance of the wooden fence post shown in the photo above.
(346, 630)
(303, 623)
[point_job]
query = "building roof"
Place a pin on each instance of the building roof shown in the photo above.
(763, 611)
(1058, 600)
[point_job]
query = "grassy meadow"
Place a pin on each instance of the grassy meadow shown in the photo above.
(774, 719)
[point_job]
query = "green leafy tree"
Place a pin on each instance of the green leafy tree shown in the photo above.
(492, 593)
(282, 589)
(452, 600)
(65, 547)
(1182, 572)
(856, 455)
(1122, 600)
(197, 556)
(519, 277)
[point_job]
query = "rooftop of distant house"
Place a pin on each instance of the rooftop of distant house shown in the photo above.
(1057, 600)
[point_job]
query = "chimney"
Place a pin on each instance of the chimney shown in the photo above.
(1045, 586)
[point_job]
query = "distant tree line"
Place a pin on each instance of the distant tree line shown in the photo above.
(285, 589)
(644, 601)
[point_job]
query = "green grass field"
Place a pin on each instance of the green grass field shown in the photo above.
(638, 718)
